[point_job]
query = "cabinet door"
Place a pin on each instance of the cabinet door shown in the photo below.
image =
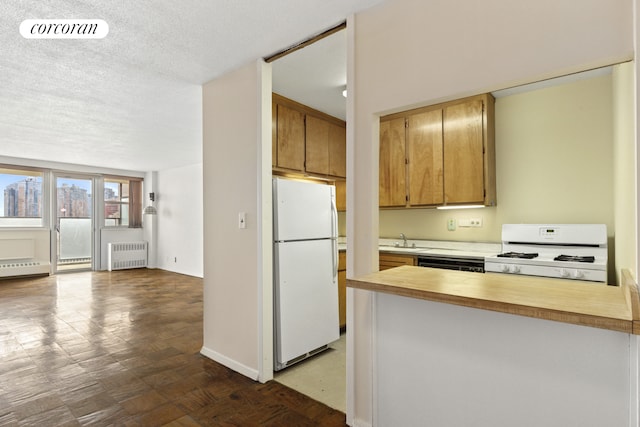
(337, 150)
(274, 134)
(290, 139)
(463, 153)
(341, 196)
(317, 149)
(424, 152)
(392, 179)
(387, 261)
(342, 298)
(342, 289)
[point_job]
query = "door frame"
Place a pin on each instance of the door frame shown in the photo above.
(96, 183)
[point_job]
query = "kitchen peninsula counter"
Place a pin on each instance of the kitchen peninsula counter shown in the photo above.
(516, 350)
(577, 302)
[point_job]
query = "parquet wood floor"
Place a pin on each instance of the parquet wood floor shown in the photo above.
(122, 348)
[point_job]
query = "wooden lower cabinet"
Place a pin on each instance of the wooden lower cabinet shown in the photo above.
(387, 261)
(342, 289)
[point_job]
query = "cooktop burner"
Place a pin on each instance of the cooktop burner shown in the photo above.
(561, 251)
(525, 255)
(574, 258)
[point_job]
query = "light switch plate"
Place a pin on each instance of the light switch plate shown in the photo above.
(242, 220)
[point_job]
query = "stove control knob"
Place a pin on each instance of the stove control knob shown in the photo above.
(564, 273)
(515, 269)
(577, 274)
(504, 268)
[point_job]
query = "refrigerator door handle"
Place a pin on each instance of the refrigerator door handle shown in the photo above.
(334, 238)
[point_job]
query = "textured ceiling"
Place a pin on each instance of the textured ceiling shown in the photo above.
(133, 99)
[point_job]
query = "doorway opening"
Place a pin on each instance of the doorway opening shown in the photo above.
(309, 81)
(73, 223)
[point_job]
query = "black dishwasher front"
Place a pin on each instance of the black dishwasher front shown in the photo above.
(473, 264)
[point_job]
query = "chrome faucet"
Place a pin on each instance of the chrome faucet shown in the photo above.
(404, 239)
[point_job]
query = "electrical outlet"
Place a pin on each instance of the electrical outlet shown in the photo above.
(476, 222)
(451, 224)
(470, 222)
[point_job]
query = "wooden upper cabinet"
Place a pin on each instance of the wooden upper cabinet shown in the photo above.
(392, 176)
(307, 140)
(341, 195)
(290, 139)
(337, 150)
(450, 155)
(424, 154)
(326, 150)
(317, 148)
(464, 153)
(274, 134)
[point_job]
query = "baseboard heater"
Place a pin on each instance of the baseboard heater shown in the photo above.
(125, 255)
(24, 254)
(23, 267)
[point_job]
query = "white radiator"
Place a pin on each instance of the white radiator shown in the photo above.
(24, 255)
(127, 255)
(24, 267)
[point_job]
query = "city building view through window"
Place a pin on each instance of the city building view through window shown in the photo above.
(21, 199)
(74, 198)
(116, 202)
(21, 193)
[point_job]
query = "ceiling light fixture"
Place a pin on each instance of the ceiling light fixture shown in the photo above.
(344, 91)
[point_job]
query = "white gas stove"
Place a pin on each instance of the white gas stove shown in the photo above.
(568, 251)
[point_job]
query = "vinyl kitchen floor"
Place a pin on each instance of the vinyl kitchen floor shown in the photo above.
(122, 348)
(322, 377)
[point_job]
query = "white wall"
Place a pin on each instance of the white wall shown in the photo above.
(234, 181)
(410, 53)
(625, 188)
(179, 220)
(468, 367)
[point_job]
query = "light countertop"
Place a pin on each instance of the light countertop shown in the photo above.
(570, 301)
(435, 247)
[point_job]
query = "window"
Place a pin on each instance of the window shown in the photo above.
(21, 193)
(122, 202)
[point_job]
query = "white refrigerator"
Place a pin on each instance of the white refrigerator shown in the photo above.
(305, 254)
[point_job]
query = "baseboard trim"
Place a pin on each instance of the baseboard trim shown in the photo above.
(230, 363)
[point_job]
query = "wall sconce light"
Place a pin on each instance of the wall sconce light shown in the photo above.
(151, 210)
